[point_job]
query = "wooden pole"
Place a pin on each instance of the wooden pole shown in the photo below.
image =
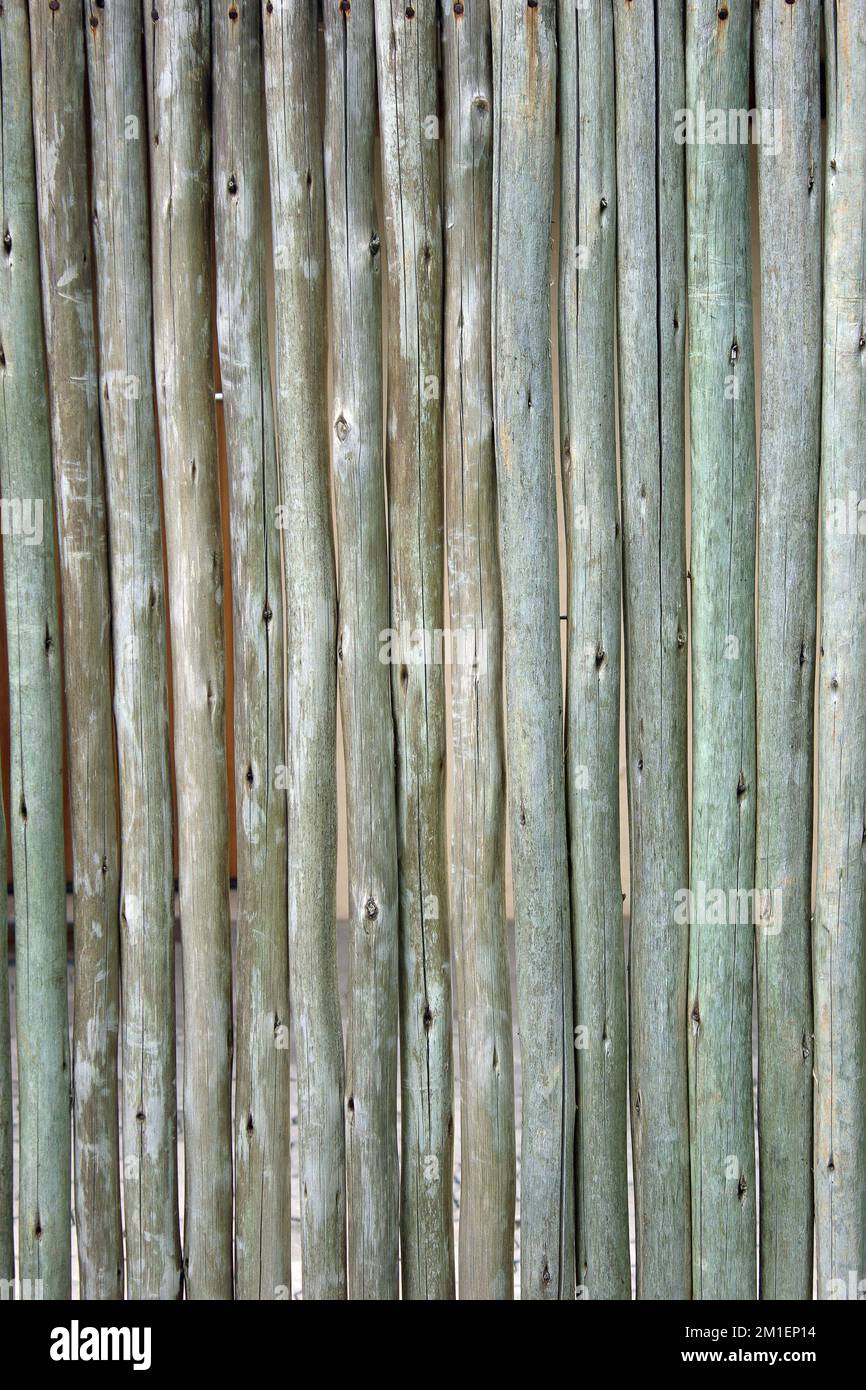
(587, 261)
(524, 87)
(839, 941)
(406, 45)
(721, 377)
(355, 261)
(7, 1249)
(651, 267)
(298, 219)
(787, 86)
(177, 36)
(487, 1189)
(57, 45)
(32, 624)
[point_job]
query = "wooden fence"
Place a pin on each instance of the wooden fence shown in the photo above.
(371, 211)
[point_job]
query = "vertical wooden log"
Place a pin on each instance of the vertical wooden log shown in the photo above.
(721, 377)
(487, 1188)
(839, 942)
(32, 621)
(177, 36)
(524, 87)
(118, 126)
(651, 265)
(787, 97)
(7, 1250)
(57, 44)
(587, 261)
(262, 1121)
(373, 1180)
(298, 215)
(406, 45)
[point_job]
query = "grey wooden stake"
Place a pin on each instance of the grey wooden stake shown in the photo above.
(587, 272)
(177, 36)
(524, 111)
(839, 942)
(59, 127)
(32, 623)
(721, 377)
(357, 442)
(787, 87)
(7, 1250)
(651, 265)
(487, 1189)
(298, 218)
(406, 45)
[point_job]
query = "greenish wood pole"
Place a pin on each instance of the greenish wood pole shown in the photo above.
(7, 1249)
(177, 39)
(32, 624)
(524, 120)
(587, 274)
(651, 268)
(487, 1170)
(357, 441)
(839, 940)
(298, 220)
(57, 45)
(721, 379)
(787, 86)
(406, 46)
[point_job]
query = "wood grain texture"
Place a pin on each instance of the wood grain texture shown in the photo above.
(787, 84)
(358, 450)
(7, 1188)
(839, 937)
(298, 219)
(524, 110)
(587, 273)
(721, 381)
(651, 269)
(406, 47)
(487, 1170)
(33, 628)
(177, 39)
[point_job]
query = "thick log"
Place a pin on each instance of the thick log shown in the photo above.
(357, 441)
(298, 219)
(524, 86)
(406, 46)
(177, 38)
(33, 628)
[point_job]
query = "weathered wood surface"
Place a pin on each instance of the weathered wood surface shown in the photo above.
(406, 46)
(7, 1249)
(787, 84)
(587, 274)
(33, 628)
(487, 1170)
(357, 442)
(524, 88)
(59, 128)
(650, 89)
(298, 218)
(262, 1133)
(721, 378)
(177, 36)
(839, 941)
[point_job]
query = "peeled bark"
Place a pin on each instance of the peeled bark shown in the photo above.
(32, 623)
(373, 1179)
(587, 272)
(57, 42)
(298, 219)
(787, 84)
(839, 940)
(409, 126)
(651, 266)
(721, 377)
(487, 1171)
(177, 36)
(524, 86)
